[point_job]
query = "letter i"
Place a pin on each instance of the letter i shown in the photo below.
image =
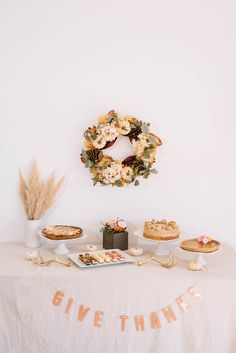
(68, 306)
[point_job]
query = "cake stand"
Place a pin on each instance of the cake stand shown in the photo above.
(161, 248)
(60, 245)
(199, 256)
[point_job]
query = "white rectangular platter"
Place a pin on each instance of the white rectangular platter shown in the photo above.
(93, 259)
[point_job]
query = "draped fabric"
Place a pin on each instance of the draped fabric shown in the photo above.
(31, 323)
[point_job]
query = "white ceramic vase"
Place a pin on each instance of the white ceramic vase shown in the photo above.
(32, 239)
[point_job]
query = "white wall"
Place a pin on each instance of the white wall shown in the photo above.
(172, 63)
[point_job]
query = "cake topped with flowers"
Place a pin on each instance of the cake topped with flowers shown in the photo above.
(203, 243)
(161, 230)
(204, 239)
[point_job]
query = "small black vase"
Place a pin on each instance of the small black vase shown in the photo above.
(115, 240)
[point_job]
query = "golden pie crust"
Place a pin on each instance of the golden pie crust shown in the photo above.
(194, 246)
(61, 232)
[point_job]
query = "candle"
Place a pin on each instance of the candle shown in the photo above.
(136, 251)
(91, 247)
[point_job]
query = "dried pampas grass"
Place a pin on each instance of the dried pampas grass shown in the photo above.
(37, 195)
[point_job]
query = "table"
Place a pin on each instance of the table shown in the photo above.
(31, 323)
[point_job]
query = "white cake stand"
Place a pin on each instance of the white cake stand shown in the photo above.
(199, 256)
(161, 248)
(60, 245)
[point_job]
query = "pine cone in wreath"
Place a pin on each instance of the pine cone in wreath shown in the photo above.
(94, 155)
(139, 165)
(133, 134)
(134, 163)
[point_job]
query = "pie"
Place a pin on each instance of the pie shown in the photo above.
(195, 246)
(62, 232)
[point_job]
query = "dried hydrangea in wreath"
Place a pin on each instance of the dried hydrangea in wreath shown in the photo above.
(104, 169)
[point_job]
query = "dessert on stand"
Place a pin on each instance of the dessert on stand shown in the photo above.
(59, 236)
(160, 234)
(203, 245)
(161, 230)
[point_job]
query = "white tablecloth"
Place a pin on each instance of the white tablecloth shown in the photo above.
(30, 323)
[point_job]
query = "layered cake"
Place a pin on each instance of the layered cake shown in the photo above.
(204, 244)
(161, 230)
(62, 232)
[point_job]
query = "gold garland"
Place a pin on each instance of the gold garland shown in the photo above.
(104, 169)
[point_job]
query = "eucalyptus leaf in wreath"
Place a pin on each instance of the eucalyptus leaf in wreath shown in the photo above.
(88, 164)
(118, 183)
(84, 154)
(151, 139)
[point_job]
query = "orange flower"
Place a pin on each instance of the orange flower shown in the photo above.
(118, 228)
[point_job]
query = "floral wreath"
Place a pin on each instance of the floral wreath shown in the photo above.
(105, 169)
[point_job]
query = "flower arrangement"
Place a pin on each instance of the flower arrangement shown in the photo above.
(38, 195)
(204, 239)
(104, 169)
(115, 235)
(114, 226)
